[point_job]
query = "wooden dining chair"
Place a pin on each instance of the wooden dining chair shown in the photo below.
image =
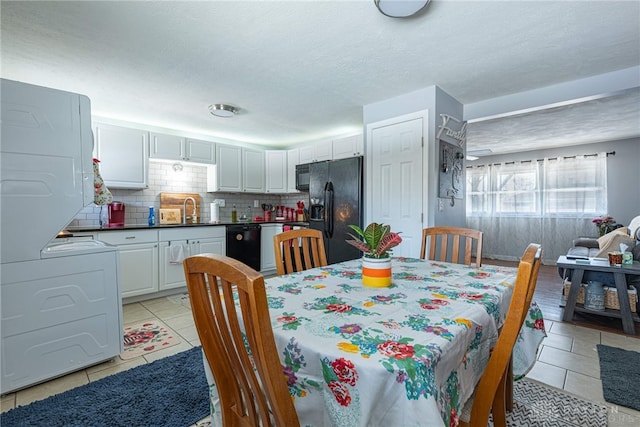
(246, 399)
(447, 239)
(299, 250)
(491, 393)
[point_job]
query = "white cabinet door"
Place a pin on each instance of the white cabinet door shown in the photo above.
(171, 147)
(323, 150)
(228, 168)
(306, 154)
(138, 260)
(276, 171)
(293, 159)
(211, 246)
(168, 147)
(253, 170)
(200, 151)
(316, 152)
(351, 146)
(267, 255)
(123, 154)
(172, 274)
(138, 269)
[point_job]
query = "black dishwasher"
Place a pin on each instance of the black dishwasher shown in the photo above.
(243, 244)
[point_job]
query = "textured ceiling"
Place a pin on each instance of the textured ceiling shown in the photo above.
(598, 120)
(303, 70)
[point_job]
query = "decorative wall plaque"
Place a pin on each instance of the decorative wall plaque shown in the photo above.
(451, 171)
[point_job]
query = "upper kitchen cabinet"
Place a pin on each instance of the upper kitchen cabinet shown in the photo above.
(168, 147)
(293, 159)
(350, 146)
(237, 169)
(276, 171)
(226, 175)
(200, 151)
(171, 147)
(316, 152)
(123, 154)
(253, 166)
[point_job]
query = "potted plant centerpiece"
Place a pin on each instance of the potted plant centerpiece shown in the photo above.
(376, 242)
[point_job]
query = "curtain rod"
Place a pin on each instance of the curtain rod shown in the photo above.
(610, 153)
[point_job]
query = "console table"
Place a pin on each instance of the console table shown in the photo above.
(619, 275)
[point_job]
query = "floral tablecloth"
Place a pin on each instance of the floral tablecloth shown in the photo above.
(406, 355)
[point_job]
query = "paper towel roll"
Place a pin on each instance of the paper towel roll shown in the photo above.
(215, 213)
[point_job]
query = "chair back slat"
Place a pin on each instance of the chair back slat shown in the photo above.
(444, 244)
(238, 342)
(299, 250)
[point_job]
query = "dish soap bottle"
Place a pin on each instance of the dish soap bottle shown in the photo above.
(234, 214)
(152, 217)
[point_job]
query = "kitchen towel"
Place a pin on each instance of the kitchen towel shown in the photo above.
(177, 253)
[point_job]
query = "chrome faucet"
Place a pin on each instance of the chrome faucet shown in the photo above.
(184, 210)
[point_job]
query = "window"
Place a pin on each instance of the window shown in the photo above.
(575, 186)
(561, 187)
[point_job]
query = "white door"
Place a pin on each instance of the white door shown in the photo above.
(395, 178)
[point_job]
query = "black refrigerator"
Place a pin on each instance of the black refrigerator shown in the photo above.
(335, 195)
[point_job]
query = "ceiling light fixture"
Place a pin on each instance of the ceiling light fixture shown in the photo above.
(223, 110)
(400, 8)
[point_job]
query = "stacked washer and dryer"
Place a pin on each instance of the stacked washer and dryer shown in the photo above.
(60, 300)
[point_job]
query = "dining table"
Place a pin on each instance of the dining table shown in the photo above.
(409, 354)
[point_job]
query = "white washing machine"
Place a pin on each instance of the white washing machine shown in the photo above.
(60, 313)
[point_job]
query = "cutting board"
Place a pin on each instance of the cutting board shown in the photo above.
(170, 216)
(176, 201)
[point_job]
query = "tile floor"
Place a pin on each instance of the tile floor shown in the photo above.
(567, 359)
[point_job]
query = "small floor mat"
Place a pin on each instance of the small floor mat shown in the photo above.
(620, 374)
(147, 337)
(537, 405)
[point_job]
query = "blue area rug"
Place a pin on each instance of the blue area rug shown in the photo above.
(172, 391)
(620, 375)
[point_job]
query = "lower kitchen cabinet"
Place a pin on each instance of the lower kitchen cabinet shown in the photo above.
(148, 260)
(138, 260)
(172, 273)
(267, 254)
(177, 243)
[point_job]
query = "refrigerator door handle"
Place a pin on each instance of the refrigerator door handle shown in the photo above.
(329, 214)
(325, 201)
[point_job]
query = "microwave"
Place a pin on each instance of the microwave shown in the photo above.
(302, 177)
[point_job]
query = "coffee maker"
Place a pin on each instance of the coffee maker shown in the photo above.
(116, 214)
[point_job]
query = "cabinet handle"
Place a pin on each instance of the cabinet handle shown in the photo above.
(130, 237)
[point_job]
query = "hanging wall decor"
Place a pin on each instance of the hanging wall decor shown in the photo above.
(446, 129)
(451, 171)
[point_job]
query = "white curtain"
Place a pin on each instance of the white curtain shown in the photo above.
(549, 201)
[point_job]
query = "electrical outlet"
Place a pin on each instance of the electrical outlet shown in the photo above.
(220, 202)
(256, 203)
(440, 205)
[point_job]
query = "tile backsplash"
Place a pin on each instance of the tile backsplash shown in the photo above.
(192, 179)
